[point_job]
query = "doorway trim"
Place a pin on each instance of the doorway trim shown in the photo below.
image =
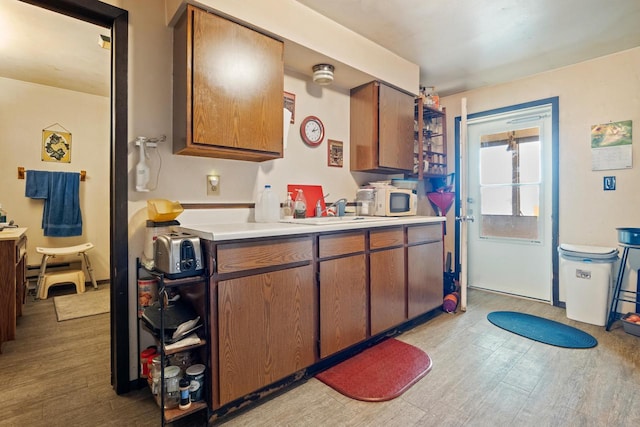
(105, 15)
(555, 132)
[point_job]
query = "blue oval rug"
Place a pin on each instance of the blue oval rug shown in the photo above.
(542, 330)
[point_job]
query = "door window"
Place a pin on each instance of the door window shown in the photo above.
(510, 180)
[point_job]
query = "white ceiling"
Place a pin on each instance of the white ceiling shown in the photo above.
(458, 44)
(40, 46)
(465, 44)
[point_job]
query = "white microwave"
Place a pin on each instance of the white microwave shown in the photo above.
(391, 201)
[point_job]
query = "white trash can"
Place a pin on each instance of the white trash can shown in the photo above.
(586, 274)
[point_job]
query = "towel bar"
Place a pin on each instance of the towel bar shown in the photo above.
(22, 171)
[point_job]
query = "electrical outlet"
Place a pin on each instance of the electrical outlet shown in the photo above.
(609, 183)
(213, 185)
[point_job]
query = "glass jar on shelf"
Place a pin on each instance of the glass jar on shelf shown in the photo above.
(182, 360)
(171, 387)
(155, 374)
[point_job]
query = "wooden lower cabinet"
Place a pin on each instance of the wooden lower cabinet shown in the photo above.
(424, 278)
(266, 330)
(13, 282)
(273, 300)
(424, 269)
(388, 295)
(343, 303)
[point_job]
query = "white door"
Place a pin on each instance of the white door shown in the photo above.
(509, 194)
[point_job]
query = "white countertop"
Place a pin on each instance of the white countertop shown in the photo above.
(12, 233)
(248, 230)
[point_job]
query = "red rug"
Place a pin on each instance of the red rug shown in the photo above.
(382, 372)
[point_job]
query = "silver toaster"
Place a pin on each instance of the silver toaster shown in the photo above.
(178, 255)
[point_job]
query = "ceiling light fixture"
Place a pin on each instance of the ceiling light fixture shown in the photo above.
(323, 74)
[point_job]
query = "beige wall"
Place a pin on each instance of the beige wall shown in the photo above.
(593, 92)
(27, 108)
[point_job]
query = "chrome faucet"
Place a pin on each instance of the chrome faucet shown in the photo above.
(337, 203)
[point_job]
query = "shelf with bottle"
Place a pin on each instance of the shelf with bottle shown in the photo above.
(430, 143)
(193, 290)
(430, 100)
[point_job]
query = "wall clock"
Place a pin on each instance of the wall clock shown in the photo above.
(312, 131)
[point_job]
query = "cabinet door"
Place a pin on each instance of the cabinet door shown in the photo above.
(7, 290)
(21, 282)
(395, 129)
(228, 85)
(424, 268)
(424, 276)
(388, 296)
(343, 303)
(381, 134)
(364, 127)
(266, 329)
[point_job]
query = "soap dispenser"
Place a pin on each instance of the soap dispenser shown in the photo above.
(287, 207)
(300, 205)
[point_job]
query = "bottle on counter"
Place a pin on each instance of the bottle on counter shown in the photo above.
(271, 205)
(287, 207)
(3, 214)
(300, 205)
(267, 208)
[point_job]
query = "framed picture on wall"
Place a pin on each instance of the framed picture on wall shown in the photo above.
(56, 146)
(290, 104)
(335, 153)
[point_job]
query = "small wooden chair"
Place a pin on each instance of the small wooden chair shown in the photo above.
(46, 280)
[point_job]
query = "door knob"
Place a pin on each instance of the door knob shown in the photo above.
(466, 218)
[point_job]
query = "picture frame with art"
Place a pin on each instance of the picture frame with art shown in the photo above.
(335, 153)
(56, 145)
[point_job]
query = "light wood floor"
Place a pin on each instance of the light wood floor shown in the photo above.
(57, 374)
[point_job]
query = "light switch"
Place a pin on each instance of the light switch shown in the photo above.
(609, 183)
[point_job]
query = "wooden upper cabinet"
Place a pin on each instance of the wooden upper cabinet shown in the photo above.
(381, 129)
(228, 89)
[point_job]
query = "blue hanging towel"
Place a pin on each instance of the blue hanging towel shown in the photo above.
(62, 216)
(37, 185)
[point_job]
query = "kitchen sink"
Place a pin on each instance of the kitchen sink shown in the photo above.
(327, 220)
